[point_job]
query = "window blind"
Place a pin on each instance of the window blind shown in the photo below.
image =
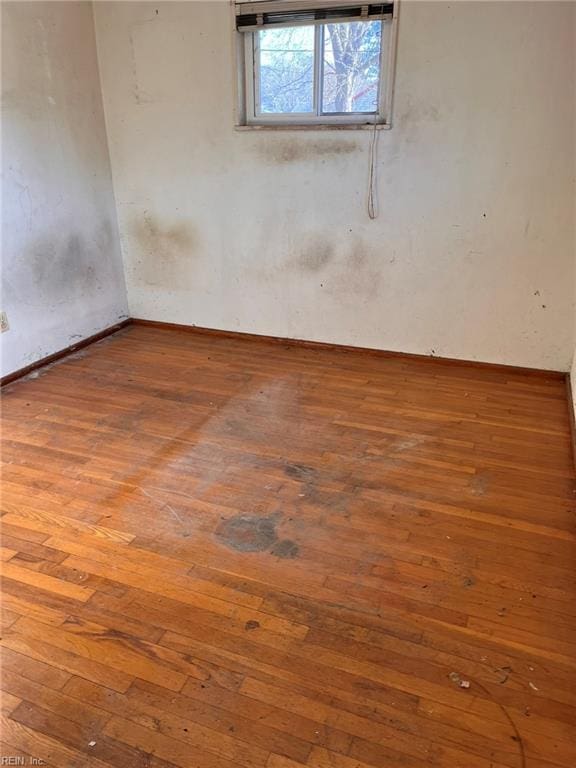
(256, 14)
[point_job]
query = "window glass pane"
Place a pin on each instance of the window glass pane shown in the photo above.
(286, 69)
(351, 66)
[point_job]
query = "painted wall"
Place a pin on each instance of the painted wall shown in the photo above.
(267, 232)
(62, 270)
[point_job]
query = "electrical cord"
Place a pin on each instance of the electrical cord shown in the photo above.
(372, 176)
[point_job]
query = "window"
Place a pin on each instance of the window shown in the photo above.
(312, 62)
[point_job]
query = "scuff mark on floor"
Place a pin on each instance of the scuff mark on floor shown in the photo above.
(170, 509)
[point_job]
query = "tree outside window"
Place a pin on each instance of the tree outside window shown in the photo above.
(349, 61)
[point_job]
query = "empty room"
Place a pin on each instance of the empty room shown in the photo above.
(288, 362)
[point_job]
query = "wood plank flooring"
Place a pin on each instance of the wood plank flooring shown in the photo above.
(224, 553)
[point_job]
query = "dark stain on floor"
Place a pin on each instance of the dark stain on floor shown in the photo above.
(300, 472)
(286, 549)
(252, 624)
(479, 484)
(255, 533)
(249, 533)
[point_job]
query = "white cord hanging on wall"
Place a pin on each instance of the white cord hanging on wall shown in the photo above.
(372, 174)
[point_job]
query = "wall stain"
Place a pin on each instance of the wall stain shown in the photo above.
(356, 279)
(414, 119)
(315, 257)
(418, 113)
(60, 268)
(288, 151)
(357, 256)
(164, 252)
(347, 267)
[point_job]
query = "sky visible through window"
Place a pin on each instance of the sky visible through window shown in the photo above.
(350, 68)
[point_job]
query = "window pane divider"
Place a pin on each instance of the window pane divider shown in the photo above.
(318, 68)
(256, 72)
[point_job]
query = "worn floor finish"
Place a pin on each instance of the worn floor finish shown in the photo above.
(225, 553)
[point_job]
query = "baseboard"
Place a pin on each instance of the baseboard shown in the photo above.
(512, 369)
(571, 416)
(10, 377)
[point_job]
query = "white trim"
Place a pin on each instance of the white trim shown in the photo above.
(245, 108)
(240, 90)
(391, 64)
(314, 127)
(253, 75)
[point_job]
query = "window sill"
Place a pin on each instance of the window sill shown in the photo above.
(315, 127)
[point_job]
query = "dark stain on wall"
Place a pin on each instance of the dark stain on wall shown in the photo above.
(418, 113)
(292, 151)
(358, 276)
(167, 240)
(67, 265)
(164, 251)
(315, 256)
(348, 268)
(413, 119)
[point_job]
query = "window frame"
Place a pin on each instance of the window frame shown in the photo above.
(247, 84)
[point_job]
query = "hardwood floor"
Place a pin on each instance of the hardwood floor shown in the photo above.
(223, 553)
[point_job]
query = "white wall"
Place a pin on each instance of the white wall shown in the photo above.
(267, 232)
(61, 271)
